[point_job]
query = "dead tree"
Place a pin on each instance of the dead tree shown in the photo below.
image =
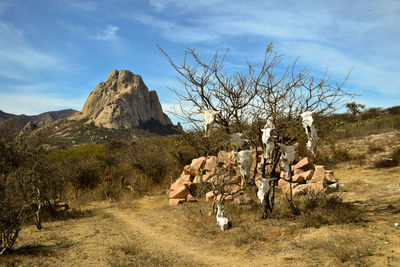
(266, 91)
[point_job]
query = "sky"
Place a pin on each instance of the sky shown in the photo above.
(53, 53)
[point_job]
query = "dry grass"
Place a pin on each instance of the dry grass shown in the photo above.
(343, 247)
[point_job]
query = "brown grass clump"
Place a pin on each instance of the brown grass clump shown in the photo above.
(392, 160)
(316, 210)
(344, 247)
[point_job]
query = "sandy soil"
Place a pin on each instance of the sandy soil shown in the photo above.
(148, 232)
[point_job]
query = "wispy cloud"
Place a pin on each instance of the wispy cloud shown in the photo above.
(108, 34)
(19, 60)
(34, 103)
(338, 35)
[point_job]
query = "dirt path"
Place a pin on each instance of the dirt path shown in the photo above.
(160, 241)
(151, 233)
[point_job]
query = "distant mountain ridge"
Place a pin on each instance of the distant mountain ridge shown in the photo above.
(15, 123)
(46, 117)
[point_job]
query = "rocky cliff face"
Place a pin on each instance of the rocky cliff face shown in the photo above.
(123, 101)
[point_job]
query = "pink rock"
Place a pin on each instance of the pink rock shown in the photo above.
(329, 177)
(211, 163)
(297, 171)
(301, 189)
(190, 198)
(304, 164)
(286, 189)
(207, 176)
(319, 174)
(298, 178)
(178, 183)
(308, 174)
(186, 178)
(175, 201)
(194, 168)
(302, 177)
(229, 199)
(186, 169)
(210, 196)
(233, 188)
(319, 186)
(225, 157)
(282, 183)
(179, 192)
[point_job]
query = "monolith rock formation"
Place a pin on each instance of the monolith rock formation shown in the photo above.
(124, 101)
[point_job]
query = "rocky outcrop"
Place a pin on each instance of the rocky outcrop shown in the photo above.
(123, 101)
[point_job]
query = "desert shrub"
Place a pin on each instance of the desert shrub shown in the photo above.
(81, 166)
(13, 213)
(391, 161)
(150, 158)
(373, 148)
(317, 209)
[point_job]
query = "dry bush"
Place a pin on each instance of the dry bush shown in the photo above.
(351, 248)
(392, 160)
(132, 253)
(374, 148)
(317, 209)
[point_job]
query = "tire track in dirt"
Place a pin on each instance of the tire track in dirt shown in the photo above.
(166, 243)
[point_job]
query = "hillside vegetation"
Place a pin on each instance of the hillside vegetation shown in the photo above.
(115, 183)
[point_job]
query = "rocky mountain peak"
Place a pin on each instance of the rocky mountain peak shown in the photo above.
(123, 101)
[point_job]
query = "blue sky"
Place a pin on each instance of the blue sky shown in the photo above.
(54, 53)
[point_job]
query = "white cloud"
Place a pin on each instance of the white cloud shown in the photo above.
(34, 103)
(19, 60)
(108, 34)
(336, 34)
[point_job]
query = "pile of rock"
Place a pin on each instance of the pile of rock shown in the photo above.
(308, 177)
(203, 170)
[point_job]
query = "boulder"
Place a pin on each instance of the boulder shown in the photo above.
(298, 178)
(301, 189)
(303, 176)
(329, 177)
(226, 157)
(308, 174)
(179, 192)
(319, 174)
(229, 199)
(210, 196)
(191, 198)
(282, 183)
(175, 201)
(304, 164)
(207, 176)
(211, 163)
(185, 178)
(243, 200)
(317, 187)
(194, 168)
(297, 171)
(286, 189)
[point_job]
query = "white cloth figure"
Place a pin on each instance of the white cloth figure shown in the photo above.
(288, 155)
(263, 188)
(209, 119)
(268, 140)
(269, 124)
(244, 159)
(312, 138)
(222, 221)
